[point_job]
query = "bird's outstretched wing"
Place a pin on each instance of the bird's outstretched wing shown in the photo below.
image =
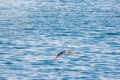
(76, 55)
(59, 55)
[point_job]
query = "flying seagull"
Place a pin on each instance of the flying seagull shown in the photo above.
(65, 52)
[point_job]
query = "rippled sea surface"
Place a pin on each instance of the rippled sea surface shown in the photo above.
(33, 32)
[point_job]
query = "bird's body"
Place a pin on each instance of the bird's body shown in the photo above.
(64, 52)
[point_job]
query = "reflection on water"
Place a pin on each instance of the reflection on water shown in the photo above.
(33, 32)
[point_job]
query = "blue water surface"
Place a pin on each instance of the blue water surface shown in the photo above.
(33, 32)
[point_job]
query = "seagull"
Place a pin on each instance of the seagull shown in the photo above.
(65, 52)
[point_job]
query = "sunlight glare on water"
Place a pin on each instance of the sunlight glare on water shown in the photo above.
(33, 32)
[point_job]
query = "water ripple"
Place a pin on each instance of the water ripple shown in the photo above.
(33, 32)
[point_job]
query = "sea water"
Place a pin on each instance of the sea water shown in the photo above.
(33, 32)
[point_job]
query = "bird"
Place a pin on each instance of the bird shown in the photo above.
(65, 52)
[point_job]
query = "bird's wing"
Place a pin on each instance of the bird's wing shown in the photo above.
(76, 55)
(58, 56)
